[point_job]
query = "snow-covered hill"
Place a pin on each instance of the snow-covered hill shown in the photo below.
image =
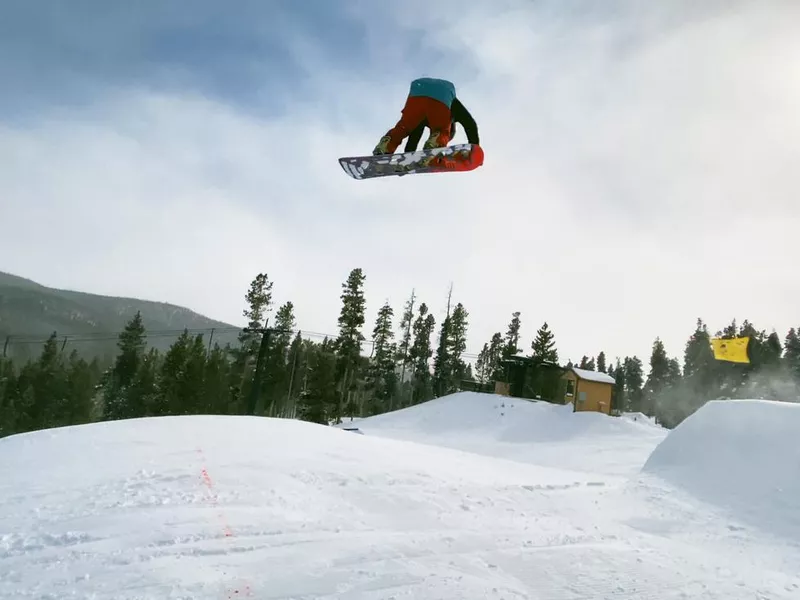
(238, 507)
(536, 432)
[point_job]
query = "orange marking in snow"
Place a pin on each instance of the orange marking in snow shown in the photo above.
(209, 483)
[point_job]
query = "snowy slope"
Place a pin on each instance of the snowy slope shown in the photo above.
(743, 455)
(536, 432)
(238, 507)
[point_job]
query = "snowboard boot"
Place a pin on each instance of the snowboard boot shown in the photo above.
(437, 139)
(382, 147)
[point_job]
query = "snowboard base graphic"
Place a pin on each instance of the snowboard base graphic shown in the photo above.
(460, 157)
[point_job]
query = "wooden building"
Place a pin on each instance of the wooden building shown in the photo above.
(529, 377)
(588, 390)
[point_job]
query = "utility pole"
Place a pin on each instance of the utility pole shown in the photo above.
(255, 402)
(289, 401)
(210, 339)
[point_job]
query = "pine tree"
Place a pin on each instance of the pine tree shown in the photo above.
(791, 356)
(673, 373)
(319, 402)
(8, 384)
(658, 378)
(421, 353)
(259, 303)
(382, 379)
(480, 364)
(404, 347)
(544, 345)
(668, 403)
(730, 331)
(772, 352)
(488, 362)
(81, 381)
(285, 324)
(756, 344)
(216, 386)
(601, 362)
(739, 375)
(659, 368)
(442, 361)
(511, 347)
(277, 368)
(141, 396)
(457, 344)
(700, 370)
(169, 400)
(545, 383)
(348, 344)
(620, 398)
(296, 362)
(634, 380)
(24, 399)
(760, 377)
(180, 379)
(132, 346)
(51, 402)
(770, 378)
(193, 383)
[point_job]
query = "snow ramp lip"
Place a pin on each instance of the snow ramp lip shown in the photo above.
(740, 455)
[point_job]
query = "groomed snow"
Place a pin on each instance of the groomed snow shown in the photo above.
(238, 507)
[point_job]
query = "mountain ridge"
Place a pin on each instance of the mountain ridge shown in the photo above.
(31, 312)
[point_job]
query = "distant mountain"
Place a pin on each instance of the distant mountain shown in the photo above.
(30, 313)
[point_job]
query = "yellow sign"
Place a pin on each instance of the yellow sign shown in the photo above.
(731, 350)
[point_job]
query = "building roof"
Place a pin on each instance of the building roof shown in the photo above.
(528, 360)
(593, 375)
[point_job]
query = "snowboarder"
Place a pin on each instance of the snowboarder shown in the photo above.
(431, 103)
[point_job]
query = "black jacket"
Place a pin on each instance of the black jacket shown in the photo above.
(459, 114)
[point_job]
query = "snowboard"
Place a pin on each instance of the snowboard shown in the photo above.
(459, 157)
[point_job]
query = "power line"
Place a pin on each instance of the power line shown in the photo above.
(109, 336)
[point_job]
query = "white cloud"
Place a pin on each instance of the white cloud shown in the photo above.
(638, 168)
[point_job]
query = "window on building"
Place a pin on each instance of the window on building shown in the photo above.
(570, 387)
(582, 397)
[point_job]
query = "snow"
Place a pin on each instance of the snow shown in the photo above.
(742, 455)
(593, 375)
(638, 416)
(210, 507)
(534, 432)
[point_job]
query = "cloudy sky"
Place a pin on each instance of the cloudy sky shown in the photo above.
(642, 159)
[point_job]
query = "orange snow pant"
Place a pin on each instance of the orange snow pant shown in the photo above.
(416, 110)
